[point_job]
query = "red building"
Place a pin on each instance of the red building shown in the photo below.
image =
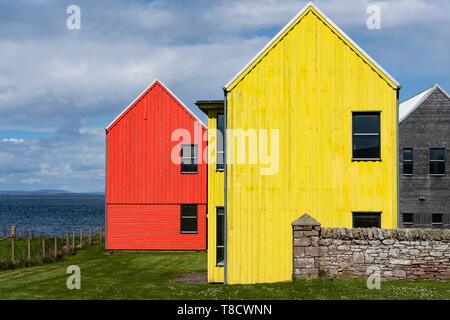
(156, 176)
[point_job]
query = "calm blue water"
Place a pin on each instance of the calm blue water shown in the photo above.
(51, 214)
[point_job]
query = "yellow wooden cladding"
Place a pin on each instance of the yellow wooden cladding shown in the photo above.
(215, 199)
(306, 84)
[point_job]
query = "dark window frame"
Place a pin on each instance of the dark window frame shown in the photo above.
(193, 157)
(188, 217)
(412, 218)
(412, 161)
(222, 262)
(366, 134)
(220, 167)
(437, 223)
(378, 213)
(443, 161)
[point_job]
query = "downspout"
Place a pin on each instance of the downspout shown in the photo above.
(398, 158)
(225, 186)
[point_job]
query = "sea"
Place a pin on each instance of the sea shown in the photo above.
(51, 214)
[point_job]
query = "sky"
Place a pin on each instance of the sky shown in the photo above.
(60, 87)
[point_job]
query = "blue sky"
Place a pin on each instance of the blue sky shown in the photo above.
(60, 88)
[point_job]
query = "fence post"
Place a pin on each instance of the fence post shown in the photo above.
(29, 248)
(81, 238)
(43, 247)
(67, 243)
(73, 241)
(101, 233)
(13, 244)
(90, 236)
(56, 247)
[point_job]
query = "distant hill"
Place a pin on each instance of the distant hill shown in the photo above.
(43, 191)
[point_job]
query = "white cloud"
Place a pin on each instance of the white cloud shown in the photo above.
(13, 140)
(30, 180)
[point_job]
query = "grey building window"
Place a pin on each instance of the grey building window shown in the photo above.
(366, 136)
(436, 218)
(220, 158)
(220, 236)
(408, 218)
(408, 163)
(437, 161)
(366, 219)
(188, 218)
(189, 158)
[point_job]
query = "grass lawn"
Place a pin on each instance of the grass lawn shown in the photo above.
(147, 275)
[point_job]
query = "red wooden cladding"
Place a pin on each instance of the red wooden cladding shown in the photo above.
(141, 177)
(158, 228)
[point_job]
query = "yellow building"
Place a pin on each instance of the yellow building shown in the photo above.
(311, 127)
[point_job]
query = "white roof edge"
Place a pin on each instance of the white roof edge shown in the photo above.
(140, 95)
(311, 4)
(428, 91)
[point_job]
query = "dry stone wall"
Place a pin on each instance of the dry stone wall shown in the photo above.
(393, 253)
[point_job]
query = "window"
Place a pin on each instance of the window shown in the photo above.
(220, 236)
(408, 218)
(436, 218)
(188, 218)
(366, 219)
(366, 136)
(188, 158)
(408, 167)
(220, 142)
(437, 161)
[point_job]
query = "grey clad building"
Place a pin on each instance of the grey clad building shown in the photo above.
(424, 146)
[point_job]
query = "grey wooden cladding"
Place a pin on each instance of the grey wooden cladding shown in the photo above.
(422, 194)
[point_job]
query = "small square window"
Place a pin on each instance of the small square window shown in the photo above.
(220, 236)
(436, 218)
(366, 219)
(220, 166)
(408, 218)
(188, 218)
(437, 161)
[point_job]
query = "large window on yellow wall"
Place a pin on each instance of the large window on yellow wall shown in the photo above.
(220, 236)
(366, 136)
(220, 166)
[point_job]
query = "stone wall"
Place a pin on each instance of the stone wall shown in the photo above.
(395, 254)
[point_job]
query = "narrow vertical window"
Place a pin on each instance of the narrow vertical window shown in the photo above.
(188, 218)
(366, 136)
(220, 236)
(220, 142)
(408, 164)
(189, 158)
(366, 219)
(437, 161)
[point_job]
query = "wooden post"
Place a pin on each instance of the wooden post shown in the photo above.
(90, 236)
(101, 233)
(13, 244)
(43, 247)
(81, 238)
(73, 241)
(56, 247)
(67, 243)
(29, 248)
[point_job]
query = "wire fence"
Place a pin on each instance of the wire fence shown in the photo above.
(30, 248)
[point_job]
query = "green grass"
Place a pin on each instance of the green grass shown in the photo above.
(147, 275)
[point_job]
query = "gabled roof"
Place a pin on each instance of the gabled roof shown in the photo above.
(143, 93)
(407, 107)
(280, 35)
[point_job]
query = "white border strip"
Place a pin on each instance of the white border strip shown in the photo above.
(140, 95)
(311, 4)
